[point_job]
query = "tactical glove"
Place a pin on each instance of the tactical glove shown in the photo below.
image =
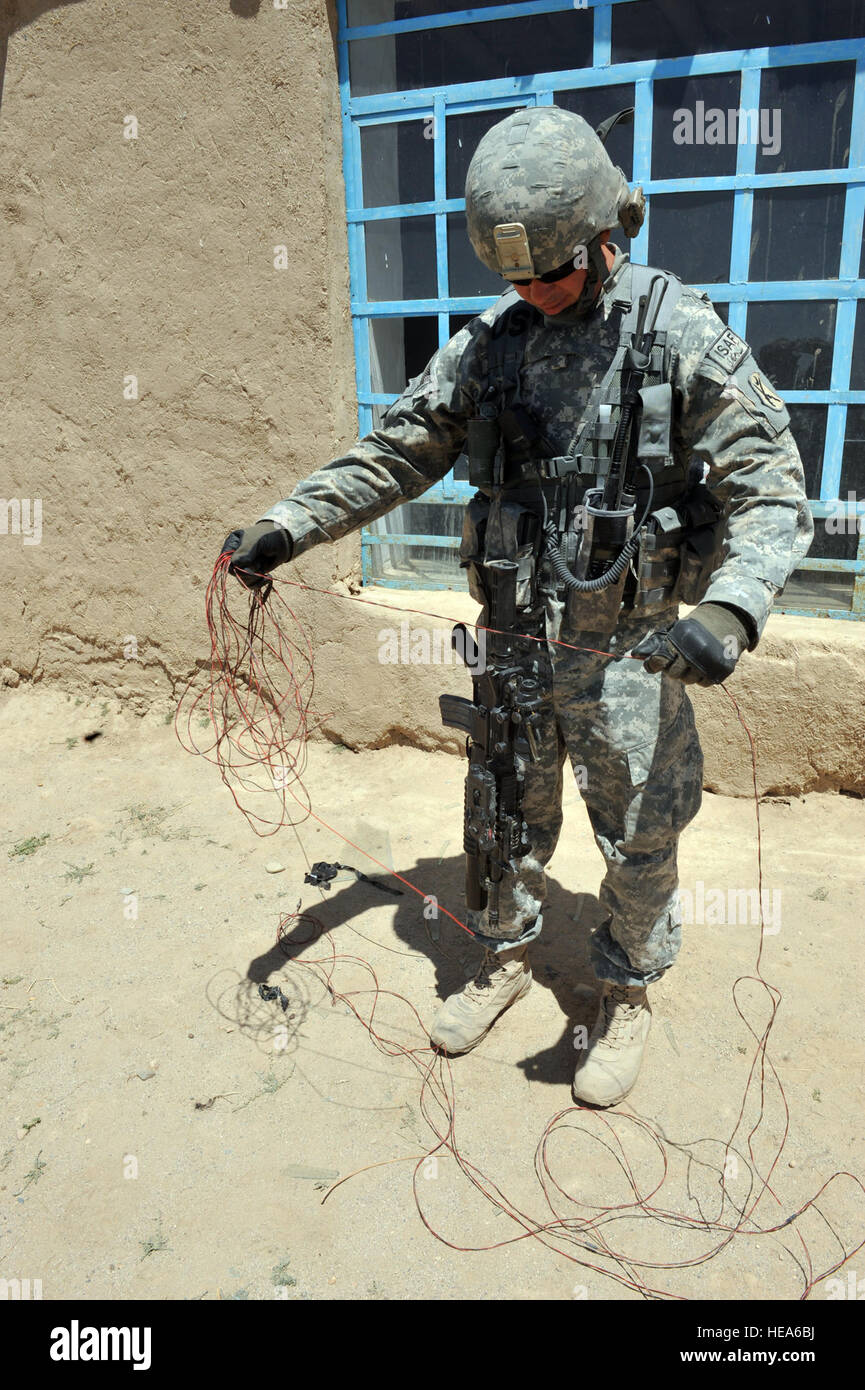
(259, 548)
(699, 650)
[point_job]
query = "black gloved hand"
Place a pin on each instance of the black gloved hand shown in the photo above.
(700, 650)
(259, 548)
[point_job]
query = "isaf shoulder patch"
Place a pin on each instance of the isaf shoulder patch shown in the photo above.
(727, 351)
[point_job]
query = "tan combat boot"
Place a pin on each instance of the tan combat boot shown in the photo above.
(467, 1016)
(611, 1062)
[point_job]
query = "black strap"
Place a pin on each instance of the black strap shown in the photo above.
(512, 321)
(626, 115)
(627, 297)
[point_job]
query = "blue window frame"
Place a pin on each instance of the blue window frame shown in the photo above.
(774, 235)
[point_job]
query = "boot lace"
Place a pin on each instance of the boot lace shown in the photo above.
(483, 979)
(620, 1011)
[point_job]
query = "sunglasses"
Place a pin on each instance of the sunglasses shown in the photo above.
(551, 276)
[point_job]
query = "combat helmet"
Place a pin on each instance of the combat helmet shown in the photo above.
(539, 186)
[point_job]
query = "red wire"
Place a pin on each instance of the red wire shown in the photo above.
(256, 690)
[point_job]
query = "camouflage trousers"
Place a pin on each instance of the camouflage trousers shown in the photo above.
(633, 748)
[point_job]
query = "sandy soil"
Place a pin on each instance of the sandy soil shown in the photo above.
(169, 1134)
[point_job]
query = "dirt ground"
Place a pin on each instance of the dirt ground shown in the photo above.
(169, 1134)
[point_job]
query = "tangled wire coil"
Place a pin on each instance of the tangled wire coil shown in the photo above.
(254, 696)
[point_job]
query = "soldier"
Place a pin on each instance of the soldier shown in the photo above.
(629, 456)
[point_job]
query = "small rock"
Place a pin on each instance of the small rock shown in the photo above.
(145, 1074)
(273, 866)
(10, 676)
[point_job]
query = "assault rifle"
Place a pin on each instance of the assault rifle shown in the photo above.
(500, 724)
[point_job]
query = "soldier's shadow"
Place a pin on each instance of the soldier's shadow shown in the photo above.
(559, 957)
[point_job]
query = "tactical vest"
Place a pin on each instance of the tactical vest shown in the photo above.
(521, 486)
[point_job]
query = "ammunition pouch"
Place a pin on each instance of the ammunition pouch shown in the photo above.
(483, 439)
(702, 546)
(679, 551)
(502, 528)
(680, 548)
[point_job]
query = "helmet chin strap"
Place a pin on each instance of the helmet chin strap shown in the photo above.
(597, 274)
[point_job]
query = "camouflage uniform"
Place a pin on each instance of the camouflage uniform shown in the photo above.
(633, 732)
